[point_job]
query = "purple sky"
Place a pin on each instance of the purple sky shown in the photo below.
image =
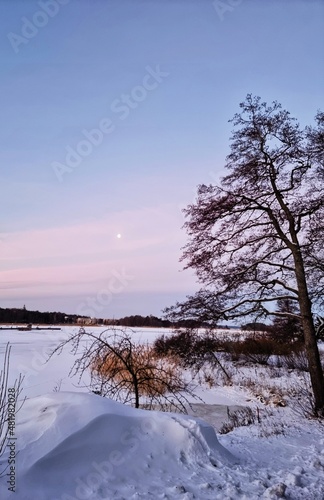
(113, 111)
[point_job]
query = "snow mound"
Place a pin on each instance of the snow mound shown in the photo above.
(81, 446)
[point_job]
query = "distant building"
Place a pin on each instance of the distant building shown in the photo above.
(87, 321)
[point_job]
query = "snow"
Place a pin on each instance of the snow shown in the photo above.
(73, 445)
(86, 446)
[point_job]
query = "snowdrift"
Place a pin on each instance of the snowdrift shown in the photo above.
(81, 446)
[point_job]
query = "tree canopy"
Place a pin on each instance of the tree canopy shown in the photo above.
(257, 237)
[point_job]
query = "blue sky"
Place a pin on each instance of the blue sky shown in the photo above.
(161, 78)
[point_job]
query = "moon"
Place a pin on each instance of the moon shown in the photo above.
(118, 235)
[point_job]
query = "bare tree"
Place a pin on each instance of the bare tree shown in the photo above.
(258, 236)
(126, 371)
(315, 137)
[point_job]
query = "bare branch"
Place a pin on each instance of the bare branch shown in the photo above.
(125, 371)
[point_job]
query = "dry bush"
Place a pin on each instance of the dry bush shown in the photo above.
(179, 344)
(233, 349)
(238, 418)
(256, 350)
(265, 393)
(296, 361)
(209, 379)
(193, 349)
(259, 349)
(302, 399)
(142, 367)
(126, 371)
(190, 345)
(213, 376)
(267, 422)
(276, 371)
(271, 423)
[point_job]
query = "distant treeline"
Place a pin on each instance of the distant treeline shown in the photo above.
(257, 327)
(150, 321)
(138, 320)
(22, 315)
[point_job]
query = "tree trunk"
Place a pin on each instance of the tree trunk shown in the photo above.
(136, 391)
(314, 361)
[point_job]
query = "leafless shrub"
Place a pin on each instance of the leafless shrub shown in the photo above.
(248, 382)
(127, 372)
(265, 393)
(58, 385)
(208, 378)
(270, 424)
(275, 371)
(255, 350)
(238, 418)
(194, 349)
(267, 423)
(232, 349)
(258, 350)
(275, 428)
(215, 376)
(296, 361)
(302, 398)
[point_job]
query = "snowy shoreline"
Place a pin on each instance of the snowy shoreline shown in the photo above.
(73, 445)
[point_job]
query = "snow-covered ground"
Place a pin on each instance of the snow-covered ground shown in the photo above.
(73, 445)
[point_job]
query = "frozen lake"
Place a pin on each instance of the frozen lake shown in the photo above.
(30, 352)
